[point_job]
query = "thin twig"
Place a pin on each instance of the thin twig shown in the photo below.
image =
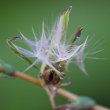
(67, 94)
(28, 78)
(60, 91)
(24, 76)
(72, 96)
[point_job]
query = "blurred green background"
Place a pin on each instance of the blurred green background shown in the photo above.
(22, 15)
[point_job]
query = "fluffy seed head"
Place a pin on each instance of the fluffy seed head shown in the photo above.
(55, 48)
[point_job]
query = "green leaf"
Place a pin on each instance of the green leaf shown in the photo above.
(84, 101)
(8, 69)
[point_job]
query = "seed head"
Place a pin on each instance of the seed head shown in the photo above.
(54, 50)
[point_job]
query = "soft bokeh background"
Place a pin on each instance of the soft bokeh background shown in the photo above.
(22, 15)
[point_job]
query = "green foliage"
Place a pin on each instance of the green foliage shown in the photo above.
(84, 101)
(8, 69)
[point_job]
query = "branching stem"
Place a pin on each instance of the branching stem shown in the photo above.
(60, 91)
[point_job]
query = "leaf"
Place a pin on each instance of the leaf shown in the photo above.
(8, 69)
(84, 102)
